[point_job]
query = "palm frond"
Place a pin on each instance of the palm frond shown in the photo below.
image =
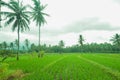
(15, 25)
(9, 21)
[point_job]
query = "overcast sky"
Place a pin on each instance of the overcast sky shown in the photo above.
(96, 20)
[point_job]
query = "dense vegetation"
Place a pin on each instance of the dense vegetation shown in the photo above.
(60, 48)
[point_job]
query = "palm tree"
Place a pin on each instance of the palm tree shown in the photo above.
(18, 17)
(11, 45)
(38, 15)
(27, 42)
(116, 39)
(81, 39)
(4, 44)
(61, 44)
(32, 47)
(0, 11)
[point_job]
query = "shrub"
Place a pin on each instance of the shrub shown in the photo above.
(3, 68)
(41, 54)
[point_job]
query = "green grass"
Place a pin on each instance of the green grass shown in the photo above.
(67, 67)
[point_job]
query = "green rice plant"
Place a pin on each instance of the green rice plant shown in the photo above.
(66, 66)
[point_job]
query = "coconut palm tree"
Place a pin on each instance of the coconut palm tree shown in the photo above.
(38, 15)
(61, 44)
(81, 40)
(18, 17)
(116, 39)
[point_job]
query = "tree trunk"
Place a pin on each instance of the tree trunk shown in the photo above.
(18, 42)
(39, 44)
(39, 37)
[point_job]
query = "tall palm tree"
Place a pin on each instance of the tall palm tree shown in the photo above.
(38, 15)
(81, 40)
(18, 17)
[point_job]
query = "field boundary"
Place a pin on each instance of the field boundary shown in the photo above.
(114, 73)
(52, 63)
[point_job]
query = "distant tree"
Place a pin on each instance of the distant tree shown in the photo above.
(16, 43)
(32, 47)
(81, 40)
(4, 44)
(116, 39)
(0, 46)
(18, 16)
(23, 48)
(27, 42)
(38, 15)
(61, 45)
(12, 45)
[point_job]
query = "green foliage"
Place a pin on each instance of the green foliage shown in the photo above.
(116, 39)
(61, 44)
(38, 14)
(3, 67)
(41, 54)
(17, 16)
(4, 52)
(3, 70)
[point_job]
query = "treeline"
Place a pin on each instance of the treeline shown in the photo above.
(81, 47)
(86, 48)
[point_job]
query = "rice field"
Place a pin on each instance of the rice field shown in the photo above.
(64, 67)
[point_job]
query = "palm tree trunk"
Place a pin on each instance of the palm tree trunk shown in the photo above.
(39, 44)
(18, 42)
(39, 38)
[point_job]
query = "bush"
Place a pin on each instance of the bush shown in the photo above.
(9, 53)
(3, 68)
(41, 54)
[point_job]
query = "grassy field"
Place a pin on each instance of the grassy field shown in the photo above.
(63, 67)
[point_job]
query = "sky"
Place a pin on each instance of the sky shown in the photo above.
(96, 20)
